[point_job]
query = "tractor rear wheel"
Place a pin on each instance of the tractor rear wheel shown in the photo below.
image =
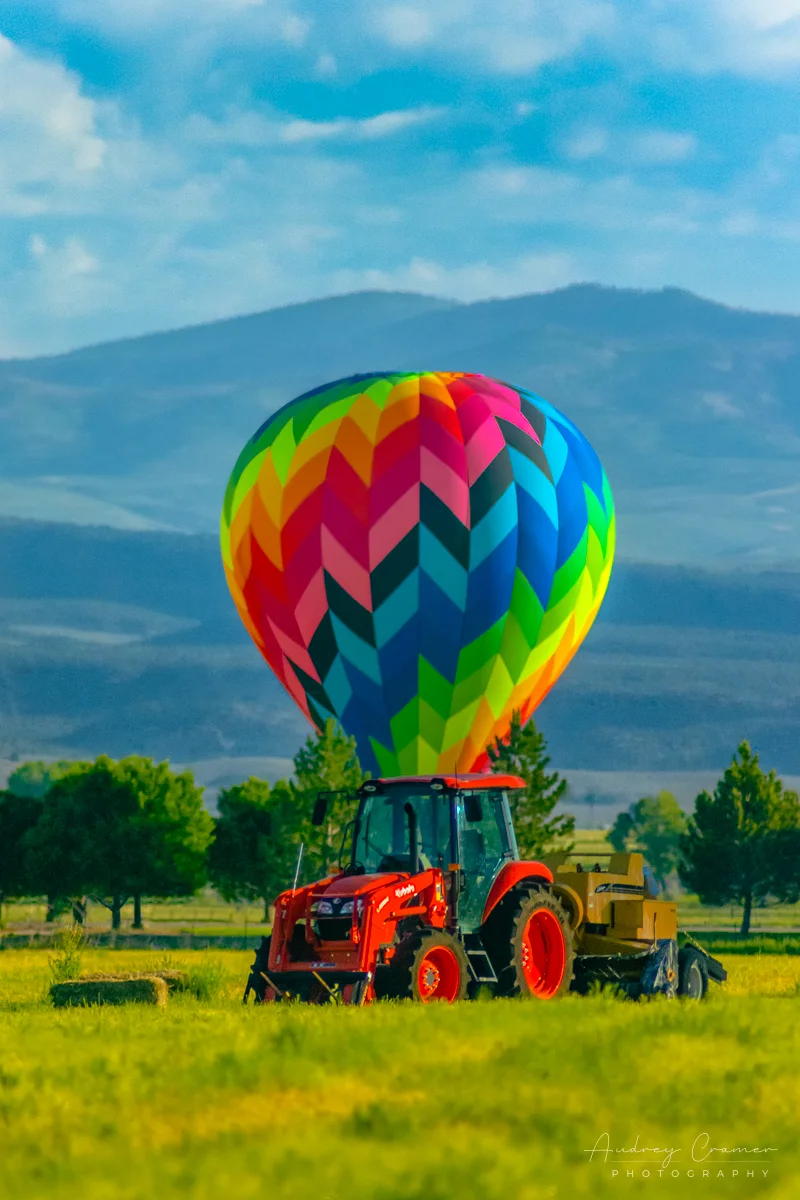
(428, 965)
(532, 946)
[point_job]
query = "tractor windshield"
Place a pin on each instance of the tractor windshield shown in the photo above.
(384, 830)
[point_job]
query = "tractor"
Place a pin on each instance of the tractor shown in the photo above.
(436, 904)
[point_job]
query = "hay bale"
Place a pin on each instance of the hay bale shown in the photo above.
(147, 989)
(176, 981)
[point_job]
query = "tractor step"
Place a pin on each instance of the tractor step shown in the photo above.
(480, 965)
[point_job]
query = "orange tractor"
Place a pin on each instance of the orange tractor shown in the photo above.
(436, 903)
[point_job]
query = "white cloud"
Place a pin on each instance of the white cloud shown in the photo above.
(48, 131)
(512, 37)
(325, 66)
(68, 275)
(749, 37)
(404, 26)
(663, 146)
(141, 15)
(721, 405)
(615, 202)
(383, 125)
(256, 129)
(761, 14)
(465, 281)
(295, 29)
(586, 143)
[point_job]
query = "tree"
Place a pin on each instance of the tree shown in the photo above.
(80, 837)
(35, 778)
(174, 831)
(255, 848)
(741, 845)
(32, 780)
(326, 762)
(524, 753)
(121, 829)
(653, 824)
(18, 815)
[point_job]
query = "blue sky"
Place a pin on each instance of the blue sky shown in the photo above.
(165, 162)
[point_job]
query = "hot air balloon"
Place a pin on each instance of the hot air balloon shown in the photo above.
(418, 555)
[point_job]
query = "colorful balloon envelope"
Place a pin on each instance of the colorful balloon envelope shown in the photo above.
(418, 555)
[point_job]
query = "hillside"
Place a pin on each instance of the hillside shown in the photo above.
(128, 642)
(692, 407)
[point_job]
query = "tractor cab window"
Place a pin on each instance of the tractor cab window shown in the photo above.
(385, 828)
(487, 842)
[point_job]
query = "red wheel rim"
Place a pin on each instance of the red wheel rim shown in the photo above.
(438, 976)
(544, 953)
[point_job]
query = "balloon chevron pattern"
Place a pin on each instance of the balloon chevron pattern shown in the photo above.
(418, 555)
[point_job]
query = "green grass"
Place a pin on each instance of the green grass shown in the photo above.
(206, 912)
(497, 1101)
(754, 944)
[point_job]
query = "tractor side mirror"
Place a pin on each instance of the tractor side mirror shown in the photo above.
(320, 808)
(473, 809)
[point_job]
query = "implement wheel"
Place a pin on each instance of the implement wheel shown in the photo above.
(532, 946)
(429, 965)
(692, 974)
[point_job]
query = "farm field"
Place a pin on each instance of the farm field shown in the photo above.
(493, 1100)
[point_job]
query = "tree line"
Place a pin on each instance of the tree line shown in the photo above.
(740, 846)
(115, 831)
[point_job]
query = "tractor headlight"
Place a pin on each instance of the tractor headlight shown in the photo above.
(322, 908)
(347, 908)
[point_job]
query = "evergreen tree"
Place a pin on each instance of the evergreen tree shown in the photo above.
(742, 844)
(524, 753)
(326, 762)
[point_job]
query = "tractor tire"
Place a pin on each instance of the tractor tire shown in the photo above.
(530, 942)
(428, 965)
(256, 983)
(692, 974)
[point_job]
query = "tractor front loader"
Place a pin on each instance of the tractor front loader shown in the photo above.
(435, 903)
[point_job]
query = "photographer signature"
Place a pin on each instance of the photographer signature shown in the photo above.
(702, 1150)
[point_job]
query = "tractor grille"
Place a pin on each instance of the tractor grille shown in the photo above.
(333, 929)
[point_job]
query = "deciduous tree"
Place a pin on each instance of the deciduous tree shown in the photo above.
(653, 825)
(742, 842)
(118, 830)
(255, 845)
(18, 815)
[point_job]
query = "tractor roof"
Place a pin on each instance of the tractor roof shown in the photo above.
(465, 783)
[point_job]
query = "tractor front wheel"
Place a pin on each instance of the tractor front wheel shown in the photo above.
(533, 947)
(428, 965)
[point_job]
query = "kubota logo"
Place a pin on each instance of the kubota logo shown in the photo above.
(408, 890)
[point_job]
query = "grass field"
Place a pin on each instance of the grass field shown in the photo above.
(497, 1100)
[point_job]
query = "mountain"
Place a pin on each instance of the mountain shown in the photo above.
(128, 642)
(692, 406)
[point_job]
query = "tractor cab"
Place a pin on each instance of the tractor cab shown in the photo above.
(460, 825)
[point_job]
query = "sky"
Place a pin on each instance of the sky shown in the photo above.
(164, 163)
